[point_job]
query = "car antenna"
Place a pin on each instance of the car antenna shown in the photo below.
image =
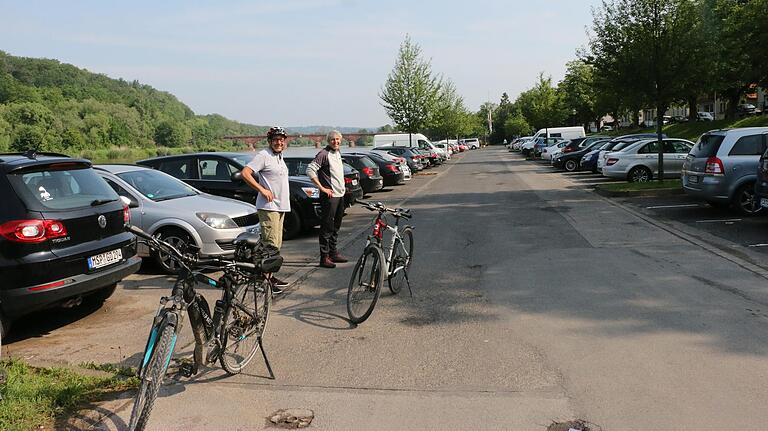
(30, 154)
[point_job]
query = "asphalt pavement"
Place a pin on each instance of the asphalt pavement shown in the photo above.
(534, 301)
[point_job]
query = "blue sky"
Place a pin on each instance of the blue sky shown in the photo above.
(301, 62)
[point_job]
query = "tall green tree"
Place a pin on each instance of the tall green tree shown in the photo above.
(411, 91)
(542, 106)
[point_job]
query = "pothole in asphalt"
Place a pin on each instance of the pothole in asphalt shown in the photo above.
(577, 425)
(292, 418)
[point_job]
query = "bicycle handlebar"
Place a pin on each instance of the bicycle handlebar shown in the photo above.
(380, 207)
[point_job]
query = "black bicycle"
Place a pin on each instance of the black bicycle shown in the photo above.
(231, 335)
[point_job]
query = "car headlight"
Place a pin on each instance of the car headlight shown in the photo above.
(311, 192)
(217, 221)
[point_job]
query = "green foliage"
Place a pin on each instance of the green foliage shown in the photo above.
(542, 106)
(411, 92)
(516, 125)
(52, 106)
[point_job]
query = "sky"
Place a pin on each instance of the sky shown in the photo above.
(301, 62)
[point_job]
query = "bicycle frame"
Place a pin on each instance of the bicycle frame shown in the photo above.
(380, 225)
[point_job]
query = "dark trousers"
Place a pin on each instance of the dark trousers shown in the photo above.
(331, 213)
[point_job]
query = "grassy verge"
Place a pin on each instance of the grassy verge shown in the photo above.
(32, 397)
(693, 129)
(650, 185)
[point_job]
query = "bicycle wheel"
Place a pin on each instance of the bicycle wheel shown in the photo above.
(402, 256)
(152, 377)
(365, 284)
(244, 323)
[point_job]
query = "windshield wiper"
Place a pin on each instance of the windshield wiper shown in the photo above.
(102, 202)
(167, 198)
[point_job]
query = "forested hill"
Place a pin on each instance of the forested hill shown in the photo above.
(51, 106)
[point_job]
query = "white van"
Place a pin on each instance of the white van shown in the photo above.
(408, 140)
(561, 132)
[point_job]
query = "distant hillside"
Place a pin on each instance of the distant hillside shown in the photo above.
(326, 129)
(51, 106)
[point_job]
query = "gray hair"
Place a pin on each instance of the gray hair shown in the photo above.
(331, 134)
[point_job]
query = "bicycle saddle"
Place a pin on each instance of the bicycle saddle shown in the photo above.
(248, 238)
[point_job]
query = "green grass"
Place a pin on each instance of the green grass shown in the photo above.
(650, 185)
(693, 129)
(33, 397)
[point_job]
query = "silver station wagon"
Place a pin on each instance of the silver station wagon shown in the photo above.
(639, 161)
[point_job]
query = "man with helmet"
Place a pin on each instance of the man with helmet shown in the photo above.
(268, 175)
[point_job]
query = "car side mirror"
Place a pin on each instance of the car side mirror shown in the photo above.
(130, 202)
(237, 177)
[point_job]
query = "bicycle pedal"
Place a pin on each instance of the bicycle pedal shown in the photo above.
(187, 370)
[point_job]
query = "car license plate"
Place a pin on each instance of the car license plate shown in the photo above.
(764, 202)
(354, 182)
(693, 179)
(105, 259)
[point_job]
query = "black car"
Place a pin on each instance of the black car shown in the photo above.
(579, 143)
(62, 236)
(411, 157)
(370, 177)
(570, 161)
(219, 174)
(389, 170)
(297, 166)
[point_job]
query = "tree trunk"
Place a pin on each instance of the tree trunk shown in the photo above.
(692, 107)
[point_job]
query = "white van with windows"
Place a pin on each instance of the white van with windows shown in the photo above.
(408, 140)
(566, 133)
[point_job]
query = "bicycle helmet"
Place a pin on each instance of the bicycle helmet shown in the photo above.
(276, 131)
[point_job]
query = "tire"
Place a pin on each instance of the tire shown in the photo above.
(241, 332)
(571, 165)
(744, 200)
(152, 378)
(639, 174)
(292, 225)
(177, 238)
(400, 262)
(365, 284)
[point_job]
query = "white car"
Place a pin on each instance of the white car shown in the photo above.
(639, 162)
(553, 150)
(603, 155)
(472, 143)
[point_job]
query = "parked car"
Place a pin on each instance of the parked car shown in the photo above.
(570, 161)
(746, 109)
(394, 158)
(62, 236)
(580, 143)
(412, 158)
(594, 163)
(548, 152)
(471, 143)
(705, 116)
(446, 149)
(219, 174)
(761, 184)
(390, 171)
(163, 205)
(639, 162)
(722, 167)
(297, 167)
(370, 177)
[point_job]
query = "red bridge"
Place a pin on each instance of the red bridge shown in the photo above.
(251, 141)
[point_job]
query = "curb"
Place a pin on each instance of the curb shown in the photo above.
(638, 193)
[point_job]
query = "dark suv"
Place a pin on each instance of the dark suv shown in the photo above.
(61, 235)
(219, 174)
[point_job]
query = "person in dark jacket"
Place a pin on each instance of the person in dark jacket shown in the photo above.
(327, 172)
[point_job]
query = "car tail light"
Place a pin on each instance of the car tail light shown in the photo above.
(126, 215)
(714, 166)
(391, 167)
(367, 171)
(610, 162)
(347, 180)
(32, 231)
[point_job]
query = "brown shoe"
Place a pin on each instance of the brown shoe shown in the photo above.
(338, 258)
(326, 262)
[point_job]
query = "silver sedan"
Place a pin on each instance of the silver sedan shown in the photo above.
(639, 162)
(163, 205)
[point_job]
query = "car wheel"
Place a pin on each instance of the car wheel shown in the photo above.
(571, 165)
(744, 200)
(639, 174)
(177, 238)
(291, 225)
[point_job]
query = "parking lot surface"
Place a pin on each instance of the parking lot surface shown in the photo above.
(535, 300)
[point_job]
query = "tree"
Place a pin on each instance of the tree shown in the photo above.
(516, 125)
(169, 134)
(638, 45)
(579, 92)
(411, 91)
(542, 105)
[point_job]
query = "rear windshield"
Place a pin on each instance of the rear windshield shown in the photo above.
(297, 167)
(368, 163)
(707, 145)
(61, 189)
(156, 185)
